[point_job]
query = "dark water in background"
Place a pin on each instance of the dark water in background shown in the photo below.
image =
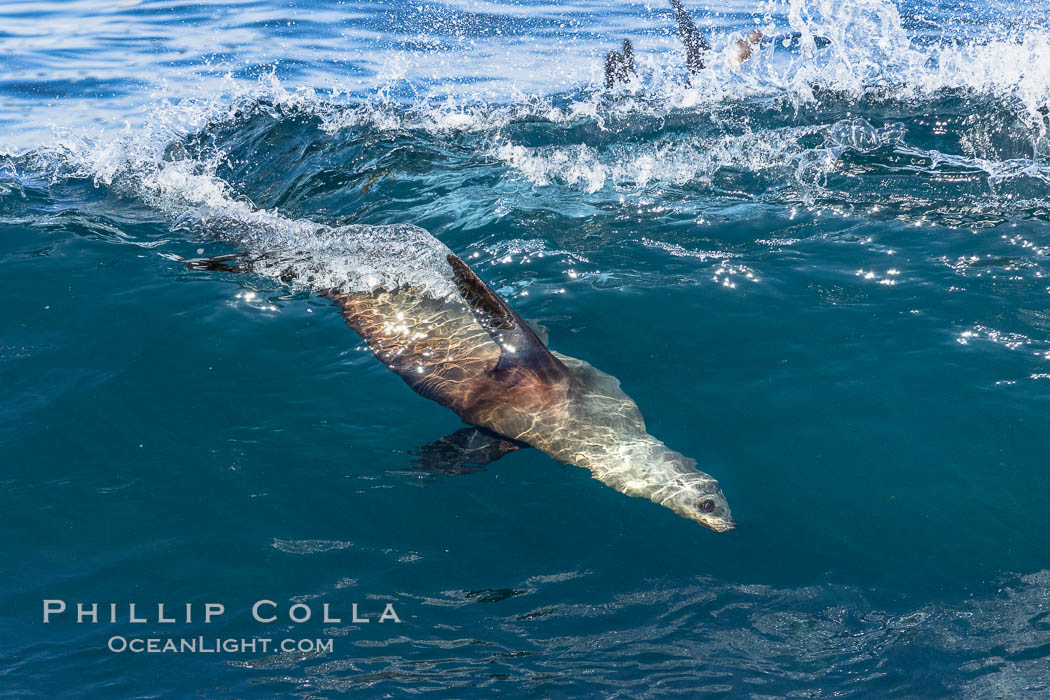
(824, 276)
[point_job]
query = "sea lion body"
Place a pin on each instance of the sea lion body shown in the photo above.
(474, 355)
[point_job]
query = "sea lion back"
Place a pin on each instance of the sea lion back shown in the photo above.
(435, 345)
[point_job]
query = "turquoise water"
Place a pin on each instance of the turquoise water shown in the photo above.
(824, 275)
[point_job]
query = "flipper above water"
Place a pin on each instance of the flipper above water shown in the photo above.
(695, 43)
(619, 65)
(465, 451)
(519, 344)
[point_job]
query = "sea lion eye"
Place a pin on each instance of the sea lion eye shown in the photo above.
(707, 506)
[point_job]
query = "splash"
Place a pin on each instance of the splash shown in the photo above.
(782, 127)
(298, 252)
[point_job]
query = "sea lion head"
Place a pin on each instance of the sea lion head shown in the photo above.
(604, 431)
(694, 494)
(740, 50)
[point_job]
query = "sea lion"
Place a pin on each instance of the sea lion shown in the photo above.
(619, 66)
(473, 354)
(428, 317)
(740, 50)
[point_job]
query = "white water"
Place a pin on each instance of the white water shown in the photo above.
(870, 56)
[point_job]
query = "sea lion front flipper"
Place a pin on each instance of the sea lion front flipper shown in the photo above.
(695, 43)
(539, 329)
(465, 451)
(519, 344)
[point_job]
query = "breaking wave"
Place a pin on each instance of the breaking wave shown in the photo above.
(869, 162)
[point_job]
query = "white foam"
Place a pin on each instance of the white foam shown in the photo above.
(299, 252)
(669, 161)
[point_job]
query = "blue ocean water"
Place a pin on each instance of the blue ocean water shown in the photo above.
(824, 274)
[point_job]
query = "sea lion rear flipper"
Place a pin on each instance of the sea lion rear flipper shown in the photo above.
(233, 262)
(695, 43)
(519, 344)
(465, 451)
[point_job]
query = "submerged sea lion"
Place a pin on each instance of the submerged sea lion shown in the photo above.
(455, 341)
(475, 355)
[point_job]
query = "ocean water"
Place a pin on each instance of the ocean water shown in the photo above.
(825, 275)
